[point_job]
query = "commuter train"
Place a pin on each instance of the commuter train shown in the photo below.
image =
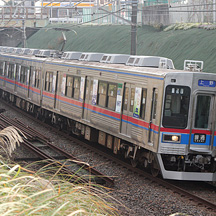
(139, 106)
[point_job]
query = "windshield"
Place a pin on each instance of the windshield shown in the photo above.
(176, 107)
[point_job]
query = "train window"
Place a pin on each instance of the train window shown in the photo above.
(17, 72)
(202, 111)
(11, 71)
(1, 68)
(112, 94)
(102, 94)
(87, 89)
(48, 81)
(143, 103)
(91, 90)
(37, 79)
(176, 106)
(155, 103)
(6, 68)
(69, 86)
(26, 74)
(132, 99)
(76, 88)
(22, 75)
(126, 98)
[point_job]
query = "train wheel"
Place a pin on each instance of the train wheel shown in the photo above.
(134, 163)
(154, 169)
(62, 126)
(37, 114)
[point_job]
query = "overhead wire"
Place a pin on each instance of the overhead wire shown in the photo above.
(103, 15)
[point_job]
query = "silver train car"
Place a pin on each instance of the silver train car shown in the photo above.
(158, 117)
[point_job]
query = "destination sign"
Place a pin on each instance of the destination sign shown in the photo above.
(207, 83)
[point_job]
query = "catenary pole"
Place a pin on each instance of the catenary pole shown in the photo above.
(134, 28)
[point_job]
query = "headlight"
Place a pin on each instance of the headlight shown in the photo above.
(175, 138)
(171, 138)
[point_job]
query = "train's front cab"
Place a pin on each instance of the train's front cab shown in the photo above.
(187, 143)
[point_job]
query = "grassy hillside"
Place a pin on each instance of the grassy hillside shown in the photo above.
(193, 44)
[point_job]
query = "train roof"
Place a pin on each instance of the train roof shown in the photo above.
(72, 58)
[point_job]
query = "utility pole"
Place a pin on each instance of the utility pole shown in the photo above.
(23, 28)
(23, 33)
(134, 27)
(214, 12)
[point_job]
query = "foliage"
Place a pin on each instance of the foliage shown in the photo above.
(23, 192)
(182, 26)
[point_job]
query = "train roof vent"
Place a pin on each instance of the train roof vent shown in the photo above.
(24, 51)
(91, 57)
(114, 58)
(18, 50)
(46, 53)
(5, 49)
(192, 65)
(150, 61)
(14, 50)
(9, 49)
(71, 55)
(33, 51)
(82, 57)
(1, 48)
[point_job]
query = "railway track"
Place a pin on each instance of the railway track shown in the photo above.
(45, 150)
(188, 196)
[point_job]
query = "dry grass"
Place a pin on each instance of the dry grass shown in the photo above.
(23, 192)
(10, 138)
(45, 192)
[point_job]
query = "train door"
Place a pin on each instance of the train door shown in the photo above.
(127, 113)
(152, 123)
(87, 98)
(203, 128)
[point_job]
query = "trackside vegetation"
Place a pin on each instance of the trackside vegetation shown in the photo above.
(46, 191)
(24, 192)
